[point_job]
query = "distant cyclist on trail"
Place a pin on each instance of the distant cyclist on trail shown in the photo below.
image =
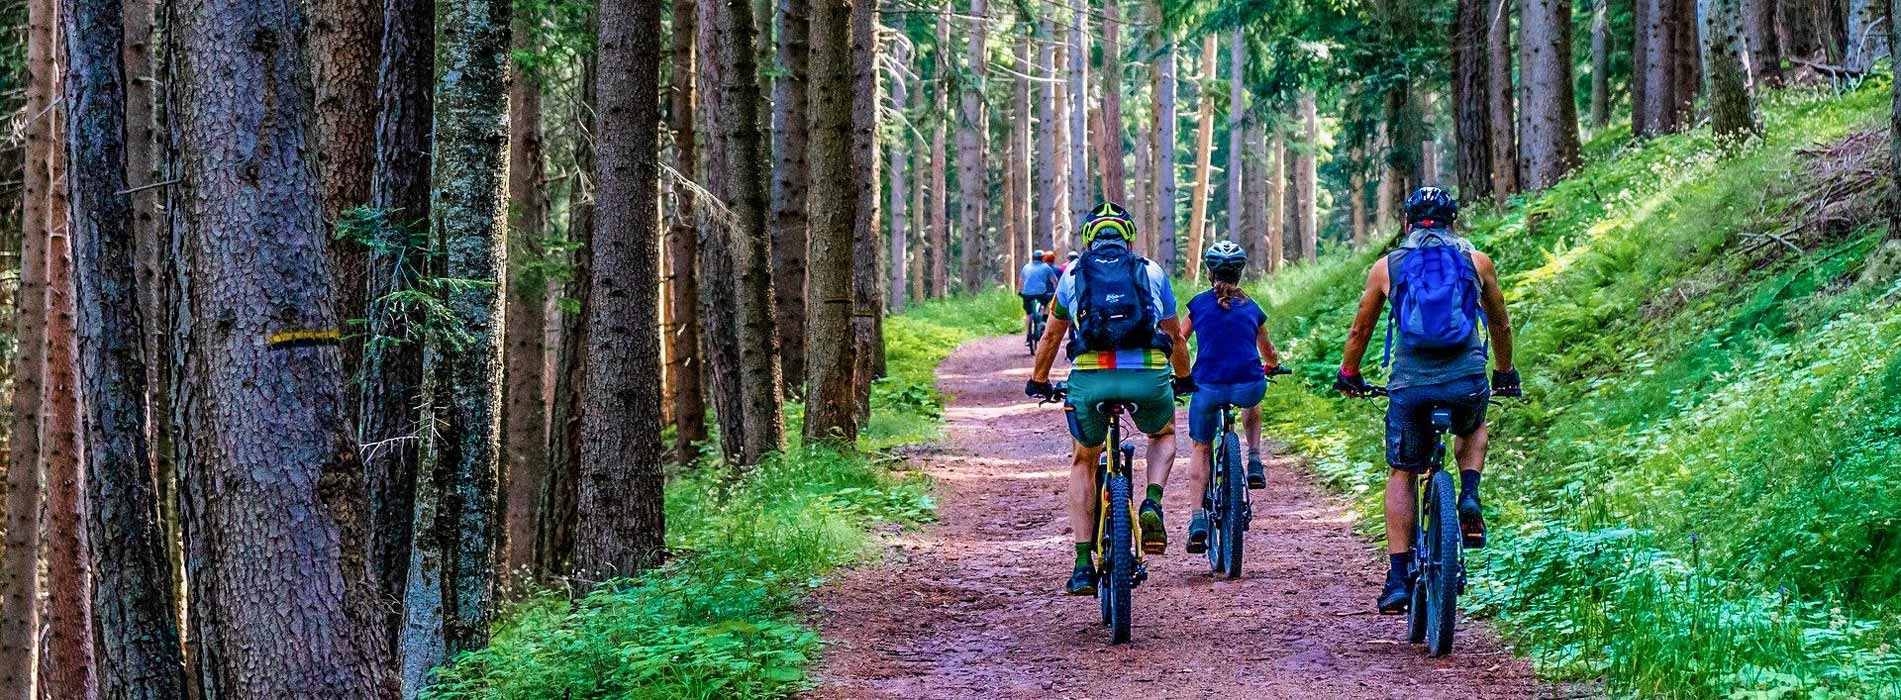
(1036, 285)
(1232, 358)
(1442, 291)
(1117, 311)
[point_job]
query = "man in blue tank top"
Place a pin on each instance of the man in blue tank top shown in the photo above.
(1423, 378)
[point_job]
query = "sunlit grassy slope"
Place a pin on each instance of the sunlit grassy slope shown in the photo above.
(1699, 497)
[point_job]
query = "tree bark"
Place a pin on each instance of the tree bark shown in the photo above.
(829, 411)
(1257, 210)
(940, 164)
(555, 533)
(1867, 40)
(1600, 63)
(738, 143)
(1471, 95)
(1307, 177)
(524, 418)
(1047, 108)
(867, 321)
(25, 478)
(135, 615)
(1894, 193)
(1204, 148)
(790, 183)
(900, 215)
(1276, 201)
(621, 517)
(1065, 226)
(1165, 126)
(281, 603)
(70, 670)
(1019, 165)
(1689, 68)
(972, 169)
(1117, 188)
(1080, 203)
(1765, 43)
(390, 399)
(1732, 101)
(683, 249)
(1237, 135)
(344, 37)
(1499, 98)
(451, 584)
(1549, 132)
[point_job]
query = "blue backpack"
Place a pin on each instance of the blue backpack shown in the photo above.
(1114, 309)
(1435, 297)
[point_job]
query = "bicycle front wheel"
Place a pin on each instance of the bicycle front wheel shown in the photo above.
(1234, 492)
(1118, 577)
(1440, 580)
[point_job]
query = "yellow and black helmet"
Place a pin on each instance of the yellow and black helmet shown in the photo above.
(1108, 222)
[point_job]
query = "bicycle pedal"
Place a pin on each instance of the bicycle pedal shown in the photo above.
(1154, 547)
(1141, 574)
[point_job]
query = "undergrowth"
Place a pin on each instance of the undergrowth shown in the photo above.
(722, 619)
(1698, 497)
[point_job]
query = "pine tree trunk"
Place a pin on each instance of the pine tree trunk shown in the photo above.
(900, 216)
(343, 40)
(70, 666)
(1276, 201)
(1116, 187)
(1204, 152)
(829, 410)
(1047, 123)
(558, 508)
(919, 240)
(1256, 205)
(1549, 146)
(867, 320)
(1019, 165)
(683, 246)
(1065, 228)
(1500, 96)
(451, 587)
(1080, 203)
(738, 142)
(621, 522)
(1867, 39)
(1237, 134)
(1357, 201)
(1732, 101)
(940, 164)
(1894, 193)
(1689, 61)
(136, 616)
(1600, 63)
(281, 596)
(1307, 177)
(25, 478)
(524, 419)
(1164, 135)
(790, 183)
(1765, 45)
(1006, 263)
(390, 397)
(1471, 91)
(972, 194)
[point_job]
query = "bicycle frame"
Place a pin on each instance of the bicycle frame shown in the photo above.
(1113, 462)
(1422, 564)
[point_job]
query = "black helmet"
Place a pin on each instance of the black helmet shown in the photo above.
(1431, 204)
(1225, 259)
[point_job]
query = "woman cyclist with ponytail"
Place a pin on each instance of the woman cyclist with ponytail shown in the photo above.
(1233, 356)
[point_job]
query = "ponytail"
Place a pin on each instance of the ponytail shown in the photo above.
(1227, 292)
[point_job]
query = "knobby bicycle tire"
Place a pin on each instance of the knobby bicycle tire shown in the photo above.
(1234, 525)
(1120, 578)
(1442, 584)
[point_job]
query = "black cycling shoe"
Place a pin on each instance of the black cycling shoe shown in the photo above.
(1198, 532)
(1472, 521)
(1396, 597)
(1154, 535)
(1257, 474)
(1082, 581)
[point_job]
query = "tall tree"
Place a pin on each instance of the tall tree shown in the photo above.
(1164, 144)
(622, 521)
(1500, 96)
(718, 264)
(451, 586)
(1256, 172)
(281, 602)
(1471, 95)
(1894, 226)
(1548, 129)
(790, 180)
(1047, 106)
(1732, 86)
(1760, 25)
(1237, 140)
(900, 217)
(70, 662)
(524, 414)
(136, 620)
(683, 249)
(1307, 177)
(867, 319)
(1078, 110)
(1022, 143)
(26, 481)
(940, 162)
(1600, 63)
(1655, 108)
(343, 45)
(830, 413)
(1276, 181)
(555, 533)
(739, 146)
(390, 397)
(972, 167)
(1113, 174)
(1204, 152)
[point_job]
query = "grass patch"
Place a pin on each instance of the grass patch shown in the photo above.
(1698, 498)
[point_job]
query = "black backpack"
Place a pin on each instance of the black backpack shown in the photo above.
(1114, 309)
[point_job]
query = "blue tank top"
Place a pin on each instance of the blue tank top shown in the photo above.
(1418, 367)
(1224, 340)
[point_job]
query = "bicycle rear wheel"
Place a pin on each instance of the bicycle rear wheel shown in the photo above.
(1440, 580)
(1233, 522)
(1118, 577)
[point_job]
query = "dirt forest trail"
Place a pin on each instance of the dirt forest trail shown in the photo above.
(971, 608)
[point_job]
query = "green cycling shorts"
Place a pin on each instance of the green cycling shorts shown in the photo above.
(1149, 390)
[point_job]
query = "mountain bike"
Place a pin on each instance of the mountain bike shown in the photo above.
(1230, 508)
(1039, 320)
(1437, 574)
(1119, 563)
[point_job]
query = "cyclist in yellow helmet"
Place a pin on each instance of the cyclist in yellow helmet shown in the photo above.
(1116, 310)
